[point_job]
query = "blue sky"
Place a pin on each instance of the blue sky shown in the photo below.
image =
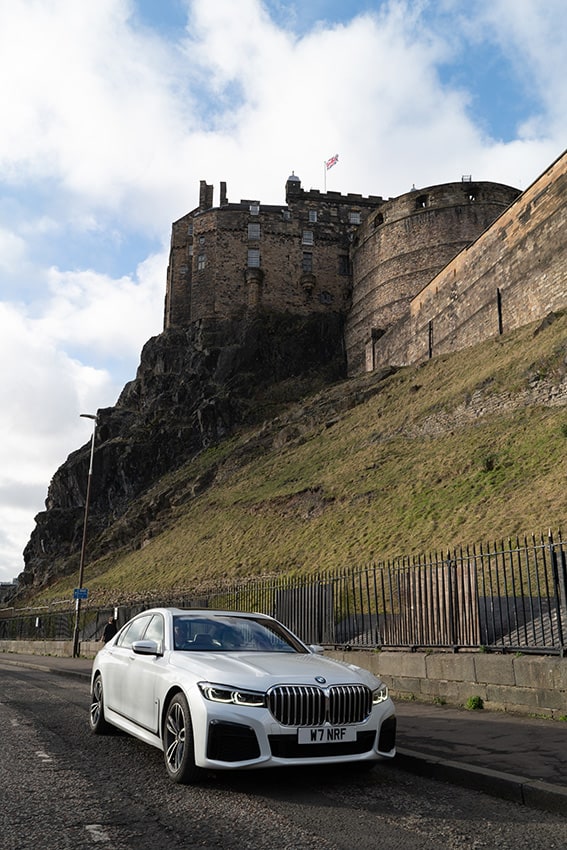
(113, 111)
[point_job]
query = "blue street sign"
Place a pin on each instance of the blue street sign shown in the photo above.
(80, 593)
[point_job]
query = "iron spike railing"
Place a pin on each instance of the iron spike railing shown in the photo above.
(506, 597)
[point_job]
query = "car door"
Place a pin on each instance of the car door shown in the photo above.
(141, 675)
(119, 658)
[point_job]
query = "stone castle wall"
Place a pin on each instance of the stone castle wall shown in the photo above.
(525, 685)
(515, 273)
(397, 252)
(234, 258)
(432, 271)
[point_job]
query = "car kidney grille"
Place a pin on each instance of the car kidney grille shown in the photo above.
(306, 705)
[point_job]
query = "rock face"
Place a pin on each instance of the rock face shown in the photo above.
(193, 388)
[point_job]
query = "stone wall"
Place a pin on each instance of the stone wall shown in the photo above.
(397, 251)
(301, 266)
(521, 684)
(515, 273)
(410, 277)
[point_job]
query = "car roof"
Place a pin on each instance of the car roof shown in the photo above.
(206, 612)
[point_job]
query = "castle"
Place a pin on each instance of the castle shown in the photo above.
(431, 271)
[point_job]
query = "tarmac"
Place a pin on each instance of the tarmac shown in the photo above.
(515, 757)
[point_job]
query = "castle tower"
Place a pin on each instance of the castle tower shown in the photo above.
(398, 250)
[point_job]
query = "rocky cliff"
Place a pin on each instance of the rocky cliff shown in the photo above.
(194, 387)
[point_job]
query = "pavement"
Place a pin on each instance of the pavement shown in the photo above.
(514, 757)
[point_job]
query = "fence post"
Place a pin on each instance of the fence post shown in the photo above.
(560, 582)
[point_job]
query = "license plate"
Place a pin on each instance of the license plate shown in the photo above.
(326, 735)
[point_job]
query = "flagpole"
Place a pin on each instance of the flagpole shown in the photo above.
(325, 176)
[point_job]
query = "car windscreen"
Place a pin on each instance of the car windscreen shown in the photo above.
(200, 633)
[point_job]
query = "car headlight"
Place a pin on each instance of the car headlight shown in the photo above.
(232, 696)
(379, 694)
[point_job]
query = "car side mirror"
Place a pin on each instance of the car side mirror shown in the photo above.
(318, 650)
(146, 647)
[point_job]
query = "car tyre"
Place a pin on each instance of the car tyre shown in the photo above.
(178, 746)
(96, 716)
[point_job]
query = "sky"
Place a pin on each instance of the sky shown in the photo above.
(114, 110)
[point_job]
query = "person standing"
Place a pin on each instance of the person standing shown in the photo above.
(109, 630)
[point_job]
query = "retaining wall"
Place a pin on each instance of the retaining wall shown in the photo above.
(514, 274)
(534, 685)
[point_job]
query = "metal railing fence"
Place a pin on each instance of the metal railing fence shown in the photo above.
(507, 597)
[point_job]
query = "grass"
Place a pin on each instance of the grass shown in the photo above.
(457, 451)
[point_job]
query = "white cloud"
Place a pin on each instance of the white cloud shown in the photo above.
(12, 250)
(109, 318)
(534, 37)
(89, 102)
(369, 89)
(43, 392)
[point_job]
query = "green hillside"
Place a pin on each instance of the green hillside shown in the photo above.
(466, 448)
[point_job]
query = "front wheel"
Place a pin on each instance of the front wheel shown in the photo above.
(96, 717)
(178, 750)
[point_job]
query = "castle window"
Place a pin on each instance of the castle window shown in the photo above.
(354, 217)
(472, 196)
(421, 202)
(307, 237)
(190, 229)
(325, 298)
(307, 262)
(201, 262)
(254, 209)
(201, 240)
(286, 215)
(312, 216)
(253, 258)
(344, 264)
(378, 220)
(253, 231)
(190, 250)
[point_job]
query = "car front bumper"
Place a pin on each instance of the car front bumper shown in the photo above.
(226, 738)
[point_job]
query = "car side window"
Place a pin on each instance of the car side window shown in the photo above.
(134, 632)
(155, 630)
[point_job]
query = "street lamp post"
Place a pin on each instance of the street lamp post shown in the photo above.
(83, 545)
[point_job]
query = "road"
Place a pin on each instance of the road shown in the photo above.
(63, 788)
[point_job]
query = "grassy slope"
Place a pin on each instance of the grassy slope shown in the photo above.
(412, 468)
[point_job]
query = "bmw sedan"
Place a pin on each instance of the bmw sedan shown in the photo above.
(219, 689)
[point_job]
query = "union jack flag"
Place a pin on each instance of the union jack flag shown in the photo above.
(332, 161)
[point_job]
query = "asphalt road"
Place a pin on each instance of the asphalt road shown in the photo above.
(62, 787)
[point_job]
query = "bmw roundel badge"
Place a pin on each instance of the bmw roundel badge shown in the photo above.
(320, 679)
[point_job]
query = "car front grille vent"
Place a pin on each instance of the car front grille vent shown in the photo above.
(307, 705)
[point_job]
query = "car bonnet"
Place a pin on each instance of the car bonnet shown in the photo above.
(264, 669)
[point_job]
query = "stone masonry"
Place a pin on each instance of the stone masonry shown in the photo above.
(513, 274)
(397, 251)
(434, 270)
(236, 258)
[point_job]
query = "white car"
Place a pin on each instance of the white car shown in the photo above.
(223, 689)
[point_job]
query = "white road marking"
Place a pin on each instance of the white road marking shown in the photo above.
(97, 832)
